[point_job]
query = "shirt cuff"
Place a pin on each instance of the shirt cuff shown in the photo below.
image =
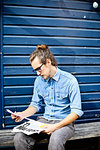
(78, 112)
(36, 106)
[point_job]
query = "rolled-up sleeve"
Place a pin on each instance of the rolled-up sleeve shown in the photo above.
(75, 98)
(36, 99)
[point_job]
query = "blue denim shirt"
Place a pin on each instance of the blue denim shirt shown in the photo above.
(60, 94)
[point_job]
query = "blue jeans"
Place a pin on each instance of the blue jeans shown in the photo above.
(57, 139)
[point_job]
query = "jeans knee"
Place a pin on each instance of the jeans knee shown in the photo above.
(54, 139)
(18, 137)
(55, 143)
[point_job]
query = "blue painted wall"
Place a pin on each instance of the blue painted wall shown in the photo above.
(71, 28)
(0, 64)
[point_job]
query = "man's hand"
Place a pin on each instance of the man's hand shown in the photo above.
(49, 128)
(26, 113)
(17, 118)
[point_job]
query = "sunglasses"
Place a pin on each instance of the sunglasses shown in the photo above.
(38, 69)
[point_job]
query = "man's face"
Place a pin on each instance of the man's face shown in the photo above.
(41, 69)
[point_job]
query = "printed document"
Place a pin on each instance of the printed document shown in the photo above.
(29, 127)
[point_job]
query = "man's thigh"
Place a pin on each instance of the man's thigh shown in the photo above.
(63, 134)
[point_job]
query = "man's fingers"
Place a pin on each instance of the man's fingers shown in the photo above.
(13, 116)
(48, 133)
(16, 118)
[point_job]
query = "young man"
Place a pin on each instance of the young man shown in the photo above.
(60, 92)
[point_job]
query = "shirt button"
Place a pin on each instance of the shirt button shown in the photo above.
(51, 97)
(51, 115)
(52, 88)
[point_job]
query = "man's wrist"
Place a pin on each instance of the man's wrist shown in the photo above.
(58, 125)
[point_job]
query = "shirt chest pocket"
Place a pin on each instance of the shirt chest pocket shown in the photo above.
(44, 95)
(62, 98)
(61, 92)
(61, 95)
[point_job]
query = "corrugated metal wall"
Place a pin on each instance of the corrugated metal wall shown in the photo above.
(72, 31)
(1, 64)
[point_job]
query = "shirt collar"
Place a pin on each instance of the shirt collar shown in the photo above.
(57, 75)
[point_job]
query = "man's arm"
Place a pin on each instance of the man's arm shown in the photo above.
(31, 110)
(69, 119)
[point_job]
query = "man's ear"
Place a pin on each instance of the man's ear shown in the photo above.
(48, 62)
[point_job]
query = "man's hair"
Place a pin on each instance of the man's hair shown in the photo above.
(43, 53)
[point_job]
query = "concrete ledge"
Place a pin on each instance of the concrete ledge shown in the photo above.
(82, 131)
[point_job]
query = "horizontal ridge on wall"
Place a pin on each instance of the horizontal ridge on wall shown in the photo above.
(51, 22)
(50, 12)
(77, 69)
(56, 50)
(75, 4)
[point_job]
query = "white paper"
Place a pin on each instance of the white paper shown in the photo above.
(29, 127)
(14, 113)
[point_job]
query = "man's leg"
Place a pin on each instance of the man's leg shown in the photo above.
(23, 141)
(26, 142)
(59, 137)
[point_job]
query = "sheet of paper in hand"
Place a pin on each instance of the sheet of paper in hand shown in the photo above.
(29, 127)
